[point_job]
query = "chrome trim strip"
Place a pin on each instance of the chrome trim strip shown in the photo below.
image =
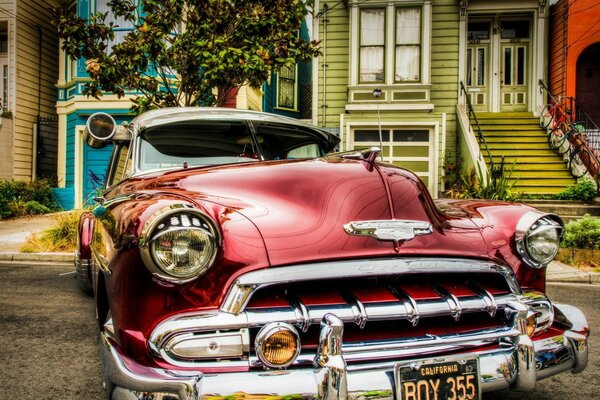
(240, 292)
(452, 300)
(300, 310)
(410, 305)
(491, 306)
(358, 309)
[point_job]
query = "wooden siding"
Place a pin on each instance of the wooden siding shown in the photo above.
(443, 73)
(557, 73)
(36, 74)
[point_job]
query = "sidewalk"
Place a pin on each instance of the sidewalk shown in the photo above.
(13, 234)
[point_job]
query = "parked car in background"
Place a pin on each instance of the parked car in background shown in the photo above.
(232, 256)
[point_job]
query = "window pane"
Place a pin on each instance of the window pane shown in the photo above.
(371, 135)
(372, 27)
(286, 93)
(469, 67)
(508, 66)
(408, 63)
(411, 136)
(520, 66)
(287, 72)
(408, 26)
(478, 31)
(514, 29)
(371, 64)
(480, 67)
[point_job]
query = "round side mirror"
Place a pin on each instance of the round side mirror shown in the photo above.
(99, 129)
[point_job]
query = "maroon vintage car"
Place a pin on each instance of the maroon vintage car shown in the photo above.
(232, 257)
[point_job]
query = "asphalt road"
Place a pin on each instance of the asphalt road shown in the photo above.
(48, 340)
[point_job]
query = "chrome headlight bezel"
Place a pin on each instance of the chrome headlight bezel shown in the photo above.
(534, 223)
(155, 227)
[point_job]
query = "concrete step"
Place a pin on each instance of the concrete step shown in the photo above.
(566, 209)
(499, 139)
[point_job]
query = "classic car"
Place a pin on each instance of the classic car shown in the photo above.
(233, 255)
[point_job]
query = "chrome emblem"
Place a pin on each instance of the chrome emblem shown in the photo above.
(392, 230)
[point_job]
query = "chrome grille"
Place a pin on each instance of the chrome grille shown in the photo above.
(424, 296)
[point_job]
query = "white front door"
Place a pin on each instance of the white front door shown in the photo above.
(498, 62)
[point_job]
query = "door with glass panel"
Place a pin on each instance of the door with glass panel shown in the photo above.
(514, 64)
(477, 66)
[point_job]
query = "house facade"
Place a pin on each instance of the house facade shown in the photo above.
(28, 71)
(391, 74)
(575, 53)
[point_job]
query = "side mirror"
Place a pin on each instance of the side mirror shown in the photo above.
(99, 130)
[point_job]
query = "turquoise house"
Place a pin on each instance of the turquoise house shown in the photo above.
(81, 169)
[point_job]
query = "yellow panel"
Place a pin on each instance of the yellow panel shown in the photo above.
(425, 180)
(411, 151)
(418, 166)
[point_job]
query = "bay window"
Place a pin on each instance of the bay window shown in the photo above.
(391, 46)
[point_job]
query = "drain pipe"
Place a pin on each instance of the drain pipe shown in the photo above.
(323, 13)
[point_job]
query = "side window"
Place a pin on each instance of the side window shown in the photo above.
(121, 166)
(306, 151)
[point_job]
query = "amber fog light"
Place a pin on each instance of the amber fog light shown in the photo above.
(277, 344)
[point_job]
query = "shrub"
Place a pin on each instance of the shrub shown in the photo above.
(18, 198)
(584, 190)
(473, 185)
(62, 236)
(582, 234)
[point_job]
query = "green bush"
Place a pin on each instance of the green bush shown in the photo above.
(62, 236)
(582, 234)
(18, 198)
(584, 190)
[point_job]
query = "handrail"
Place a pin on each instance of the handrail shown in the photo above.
(496, 172)
(591, 131)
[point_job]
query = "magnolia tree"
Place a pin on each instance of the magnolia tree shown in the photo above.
(184, 52)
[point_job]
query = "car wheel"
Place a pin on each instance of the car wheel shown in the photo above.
(82, 271)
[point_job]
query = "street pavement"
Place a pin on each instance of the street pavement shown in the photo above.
(13, 233)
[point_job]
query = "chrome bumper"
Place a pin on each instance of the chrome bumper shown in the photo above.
(516, 364)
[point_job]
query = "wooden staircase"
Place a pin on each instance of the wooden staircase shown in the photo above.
(518, 137)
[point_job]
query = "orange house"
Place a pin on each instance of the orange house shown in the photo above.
(574, 64)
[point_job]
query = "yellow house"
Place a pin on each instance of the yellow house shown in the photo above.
(28, 73)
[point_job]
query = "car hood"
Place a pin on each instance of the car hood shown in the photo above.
(300, 208)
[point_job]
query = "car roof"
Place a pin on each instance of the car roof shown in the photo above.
(182, 114)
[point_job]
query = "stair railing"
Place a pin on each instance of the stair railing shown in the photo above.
(589, 128)
(497, 171)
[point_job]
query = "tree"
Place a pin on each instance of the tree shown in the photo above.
(178, 52)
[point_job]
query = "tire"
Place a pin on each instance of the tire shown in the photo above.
(556, 138)
(579, 162)
(546, 116)
(83, 274)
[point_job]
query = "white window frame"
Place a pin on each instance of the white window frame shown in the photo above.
(390, 46)
(284, 106)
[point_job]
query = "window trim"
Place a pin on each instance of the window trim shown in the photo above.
(389, 55)
(419, 44)
(385, 44)
(295, 96)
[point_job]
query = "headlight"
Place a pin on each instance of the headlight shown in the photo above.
(179, 243)
(538, 238)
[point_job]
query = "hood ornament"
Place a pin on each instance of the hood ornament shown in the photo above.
(389, 230)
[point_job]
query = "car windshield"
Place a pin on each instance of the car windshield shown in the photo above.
(199, 143)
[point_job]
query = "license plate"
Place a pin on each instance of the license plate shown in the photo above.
(446, 378)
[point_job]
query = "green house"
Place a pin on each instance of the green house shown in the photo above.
(391, 73)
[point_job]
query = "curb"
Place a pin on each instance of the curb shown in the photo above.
(38, 257)
(580, 277)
